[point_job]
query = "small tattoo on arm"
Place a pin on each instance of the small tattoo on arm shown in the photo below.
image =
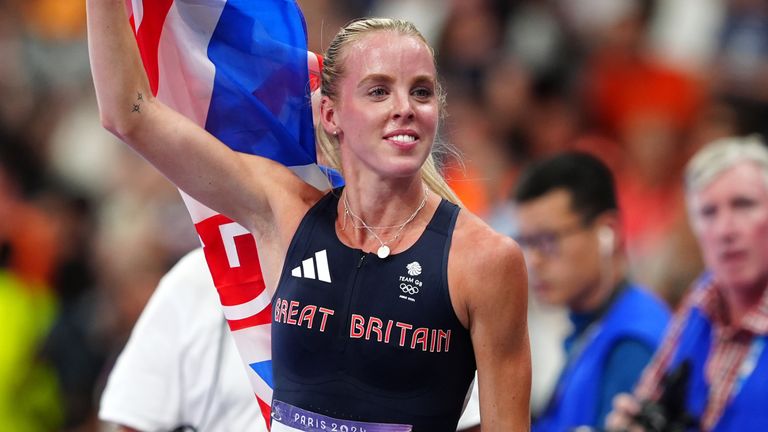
(137, 105)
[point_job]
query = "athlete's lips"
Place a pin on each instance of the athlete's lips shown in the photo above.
(404, 139)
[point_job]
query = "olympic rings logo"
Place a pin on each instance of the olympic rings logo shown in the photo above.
(408, 288)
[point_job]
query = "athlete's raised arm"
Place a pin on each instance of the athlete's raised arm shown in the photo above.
(249, 189)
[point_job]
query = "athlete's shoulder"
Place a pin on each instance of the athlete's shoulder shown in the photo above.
(486, 271)
(484, 265)
(474, 238)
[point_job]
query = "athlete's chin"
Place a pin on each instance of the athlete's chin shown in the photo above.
(401, 167)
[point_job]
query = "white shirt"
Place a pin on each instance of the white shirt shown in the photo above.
(471, 415)
(165, 375)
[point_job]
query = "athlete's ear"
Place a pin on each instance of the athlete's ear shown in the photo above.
(328, 117)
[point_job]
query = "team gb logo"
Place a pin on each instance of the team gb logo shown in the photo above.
(414, 268)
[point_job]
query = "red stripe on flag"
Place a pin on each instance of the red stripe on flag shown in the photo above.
(237, 294)
(148, 37)
(261, 318)
(224, 274)
(266, 412)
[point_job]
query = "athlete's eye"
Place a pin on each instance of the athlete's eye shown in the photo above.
(377, 92)
(422, 93)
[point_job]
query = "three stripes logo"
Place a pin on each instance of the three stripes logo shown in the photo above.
(314, 268)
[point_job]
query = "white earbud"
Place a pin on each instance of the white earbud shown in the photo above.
(605, 241)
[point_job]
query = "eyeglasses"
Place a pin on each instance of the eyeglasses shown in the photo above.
(547, 242)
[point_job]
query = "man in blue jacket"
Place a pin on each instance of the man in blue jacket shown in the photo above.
(720, 332)
(569, 228)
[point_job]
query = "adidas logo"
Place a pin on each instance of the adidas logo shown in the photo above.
(307, 268)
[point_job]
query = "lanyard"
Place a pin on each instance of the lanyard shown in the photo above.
(749, 364)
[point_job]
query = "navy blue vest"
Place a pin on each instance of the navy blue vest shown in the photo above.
(357, 337)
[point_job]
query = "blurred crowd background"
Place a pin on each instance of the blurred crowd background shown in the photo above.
(87, 228)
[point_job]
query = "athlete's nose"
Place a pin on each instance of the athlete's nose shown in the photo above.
(402, 106)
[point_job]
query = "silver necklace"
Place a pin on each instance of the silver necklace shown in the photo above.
(384, 249)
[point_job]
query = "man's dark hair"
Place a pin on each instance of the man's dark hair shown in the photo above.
(586, 179)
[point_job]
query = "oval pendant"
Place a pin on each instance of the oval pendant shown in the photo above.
(383, 251)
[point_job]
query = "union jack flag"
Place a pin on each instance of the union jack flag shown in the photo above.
(241, 69)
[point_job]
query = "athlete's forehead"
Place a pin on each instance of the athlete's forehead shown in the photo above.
(389, 55)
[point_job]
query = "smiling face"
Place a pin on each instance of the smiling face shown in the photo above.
(386, 110)
(730, 219)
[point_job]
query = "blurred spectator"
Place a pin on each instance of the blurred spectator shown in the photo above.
(28, 231)
(548, 327)
(323, 19)
(536, 38)
(569, 229)
(479, 178)
(711, 372)
(72, 345)
(741, 70)
(427, 15)
(685, 33)
(180, 369)
(469, 43)
(29, 396)
(506, 95)
(647, 107)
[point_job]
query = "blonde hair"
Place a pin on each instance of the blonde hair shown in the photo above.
(333, 70)
(721, 155)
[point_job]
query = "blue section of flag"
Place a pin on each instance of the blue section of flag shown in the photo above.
(260, 102)
(333, 175)
(264, 370)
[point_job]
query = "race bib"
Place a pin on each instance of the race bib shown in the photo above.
(288, 418)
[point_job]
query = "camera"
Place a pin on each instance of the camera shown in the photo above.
(668, 413)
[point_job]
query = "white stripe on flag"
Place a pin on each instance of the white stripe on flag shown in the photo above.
(138, 12)
(313, 175)
(248, 309)
(262, 390)
(228, 233)
(197, 211)
(254, 344)
(186, 74)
